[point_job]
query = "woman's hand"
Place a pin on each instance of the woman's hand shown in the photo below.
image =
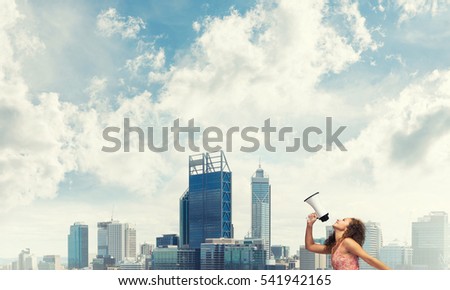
(311, 219)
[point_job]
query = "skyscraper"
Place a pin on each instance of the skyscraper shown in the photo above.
(205, 208)
(78, 240)
(116, 241)
(121, 241)
(373, 243)
(329, 230)
(310, 260)
(27, 261)
(261, 209)
(430, 241)
(396, 256)
(130, 243)
(102, 239)
(146, 249)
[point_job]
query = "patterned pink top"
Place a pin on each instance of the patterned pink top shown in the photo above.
(344, 261)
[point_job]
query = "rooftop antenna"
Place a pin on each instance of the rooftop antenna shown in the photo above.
(260, 162)
(112, 213)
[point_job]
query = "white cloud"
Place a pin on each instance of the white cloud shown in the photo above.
(196, 26)
(362, 38)
(109, 22)
(34, 143)
(44, 138)
(136, 171)
(267, 54)
(9, 15)
(396, 57)
(153, 60)
(34, 135)
(27, 43)
(97, 86)
(380, 6)
(412, 8)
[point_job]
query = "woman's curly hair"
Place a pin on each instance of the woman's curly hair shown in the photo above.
(355, 230)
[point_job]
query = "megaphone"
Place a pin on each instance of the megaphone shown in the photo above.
(314, 201)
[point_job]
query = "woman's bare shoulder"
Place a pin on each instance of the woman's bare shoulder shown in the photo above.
(349, 242)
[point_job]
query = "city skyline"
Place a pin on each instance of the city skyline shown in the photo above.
(97, 245)
(206, 240)
(71, 69)
(93, 238)
(430, 249)
(198, 163)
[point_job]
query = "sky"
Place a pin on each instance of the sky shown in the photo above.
(70, 69)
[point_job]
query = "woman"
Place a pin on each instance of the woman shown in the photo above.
(344, 245)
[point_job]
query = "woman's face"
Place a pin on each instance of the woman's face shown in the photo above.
(342, 224)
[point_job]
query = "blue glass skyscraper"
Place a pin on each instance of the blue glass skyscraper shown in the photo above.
(78, 246)
(205, 208)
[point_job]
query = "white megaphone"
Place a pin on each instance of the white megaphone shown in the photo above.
(314, 201)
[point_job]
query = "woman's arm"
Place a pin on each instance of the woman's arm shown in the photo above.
(309, 241)
(354, 248)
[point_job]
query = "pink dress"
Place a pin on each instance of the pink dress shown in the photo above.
(344, 261)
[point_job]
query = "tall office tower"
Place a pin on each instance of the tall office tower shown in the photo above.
(27, 261)
(78, 241)
(102, 239)
(121, 241)
(397, 256)
(146, 249)
(329, 230)
(430, 241)
(167, 240)
(116, 241)
(205, 208)
(22, 257)
(312, 261)
(130, 243)
(372, 244)
(261, 221)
